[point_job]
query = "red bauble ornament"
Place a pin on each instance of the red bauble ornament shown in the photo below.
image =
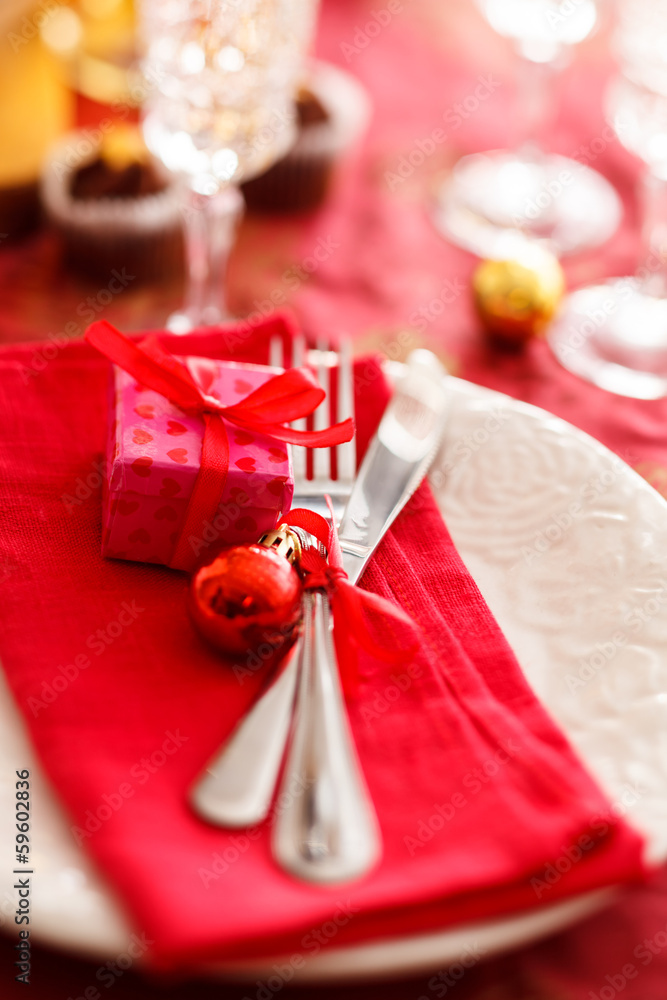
(250, 595)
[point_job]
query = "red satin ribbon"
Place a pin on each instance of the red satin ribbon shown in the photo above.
(295, 393)
(349, 603)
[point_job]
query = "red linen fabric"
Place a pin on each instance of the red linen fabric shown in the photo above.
(476, 790)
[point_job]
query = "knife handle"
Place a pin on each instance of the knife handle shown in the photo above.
(237, 787)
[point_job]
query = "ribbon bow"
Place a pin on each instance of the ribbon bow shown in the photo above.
(349, 603)
(293, 394)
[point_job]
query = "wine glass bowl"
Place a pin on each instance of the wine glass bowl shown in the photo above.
(220, 110)
(547, 197)
(639, 117)
(615, 334)
(541, 28)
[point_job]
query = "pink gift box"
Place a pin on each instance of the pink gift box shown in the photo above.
(154, 453)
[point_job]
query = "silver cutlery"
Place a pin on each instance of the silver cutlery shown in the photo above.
(328, 832)
(398, 458)
(237, 787)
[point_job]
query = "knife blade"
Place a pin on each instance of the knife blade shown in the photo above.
(398, 458)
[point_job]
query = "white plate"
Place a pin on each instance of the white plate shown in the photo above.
(569, 547)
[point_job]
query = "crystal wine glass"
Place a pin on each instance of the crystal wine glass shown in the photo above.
(221, 81)
(545, 196)
(615, 334)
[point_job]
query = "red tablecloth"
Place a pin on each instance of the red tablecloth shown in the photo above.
(384, 263)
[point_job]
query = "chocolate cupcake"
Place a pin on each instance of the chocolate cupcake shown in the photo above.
(115, 205)
(333, 110)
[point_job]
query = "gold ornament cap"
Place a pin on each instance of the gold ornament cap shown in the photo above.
(284, 541)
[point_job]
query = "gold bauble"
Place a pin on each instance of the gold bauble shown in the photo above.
(516, 298)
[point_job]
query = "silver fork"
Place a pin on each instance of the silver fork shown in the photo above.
(327, 831)
(325, 828)
(237, 787)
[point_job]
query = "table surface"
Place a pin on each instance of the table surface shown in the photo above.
(384, 263)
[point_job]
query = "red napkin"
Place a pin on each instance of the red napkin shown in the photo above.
(484, 807)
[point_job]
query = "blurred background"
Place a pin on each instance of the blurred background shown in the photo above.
(73, 64)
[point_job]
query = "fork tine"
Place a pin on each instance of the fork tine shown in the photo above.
(276, 351)
(298, 451)
(346, 453)
(322, 456)
(298, 350)
(277, 359)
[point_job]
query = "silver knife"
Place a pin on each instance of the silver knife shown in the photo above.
(237, 788)
(397, 460)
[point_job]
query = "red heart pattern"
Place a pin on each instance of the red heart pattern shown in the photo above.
(165, 513)
(140, 436)
(126, 507)
(145, 410)
(142, 465)
(205, 378)
(139, 535)
(170, 488)
(276, 487)
(243, 438)
(176, 429)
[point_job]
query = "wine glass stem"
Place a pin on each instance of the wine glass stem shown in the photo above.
(652, 272)
(209, 223)
(534, 100)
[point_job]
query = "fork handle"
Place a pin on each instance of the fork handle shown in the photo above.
(326, 831)
(237, 788)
